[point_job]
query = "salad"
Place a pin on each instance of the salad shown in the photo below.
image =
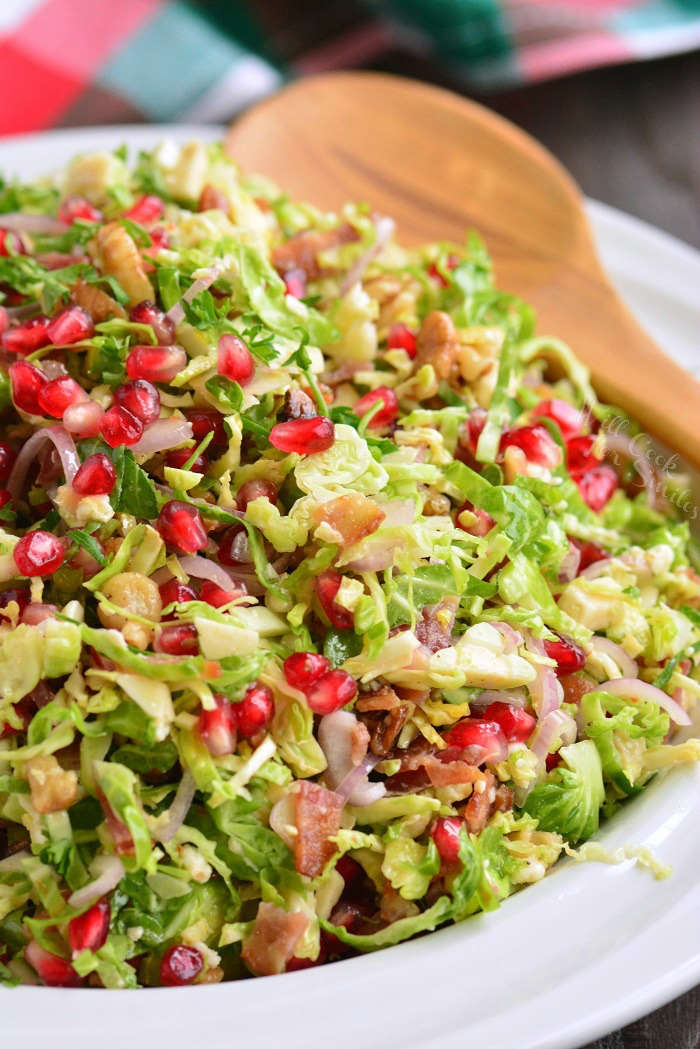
(334, 606)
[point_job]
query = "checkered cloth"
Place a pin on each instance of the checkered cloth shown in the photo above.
(104, 61)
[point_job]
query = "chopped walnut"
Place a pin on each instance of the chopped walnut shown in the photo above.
(96, 302)
(137, 594)
(438, 344)
(118, 256)
(303, 249)
(52, 788)
(297, 405)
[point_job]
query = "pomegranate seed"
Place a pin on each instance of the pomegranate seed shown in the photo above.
(5, 497)
(349, 870)
(302, 669)
(7, 461)
(84, 418)
(141, 398)
(331, 692)
(4, 320)
(517, 725)
(476, 732)
(53, 970)
(180, 525)
(59, 394)
(552, 761)
(597, 486)
(212, 199)
(204, 422)
(27, 337)
(72, 325)
(297, 964)
(146, 211)
(580, 454)
(216, 596)
(175, 592)
(147, 312)
(217, 727)
(474, 427)
(155, 363)
(568, 656)
(180, 965)
(304, 436)
(39, 553)
(74, 208)
(177, 639)
(96, 476)
(327, 585)
(10, 243)
(387, 414)
(295, 283)
(179, 456)
(160, 240)
(255, 710)
(252, 490)
(445, 833)
(88, 932)
(537, 444)
(401, 337)
(569, 419)
(118, 426)
(15, 593)
(483, 524)
(233, 546)
(590, 553)
(234, 359)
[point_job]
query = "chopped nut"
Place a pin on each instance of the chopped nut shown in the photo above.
(96, 302)
(118, 256)
(137, 594)
(52, 788)
(438, 344)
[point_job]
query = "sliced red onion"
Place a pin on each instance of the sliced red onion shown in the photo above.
(514, 697)
(512, 638)
(65, 447)
(203, 568)
(568, 568)
(20, 222)
(633, 689)
(179, 808)
(53, 369)
(336, 734)
(383, 232)
(109, 871)
(545, 691)
(618, 655)
(620, 442)
(162, 435)
(598, 568)
(282, 819)
(556, 725)
(176, 313)
(380, 558)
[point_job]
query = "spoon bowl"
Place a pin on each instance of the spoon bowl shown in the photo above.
(440, 164)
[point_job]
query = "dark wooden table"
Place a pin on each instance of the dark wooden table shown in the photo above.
(630, 135)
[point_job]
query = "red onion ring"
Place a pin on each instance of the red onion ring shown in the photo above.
(162, 435)
(179, 808)
(335, 735)
(110, 871)
(203, 568)
(556, 725)
(545, 692)
(515, 697)
(512, 638)
(634, 689)
(176, 313)
(568, 568)
(618, 655)
(383, 232)
(20, 222)
(65, 446)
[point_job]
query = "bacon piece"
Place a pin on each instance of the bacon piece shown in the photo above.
(317, 816)
(478, 809)
(505, 796)
(119, 832)
(447, 773)
(352, 517)
(273, 939)
(301, 251)
(576, 686)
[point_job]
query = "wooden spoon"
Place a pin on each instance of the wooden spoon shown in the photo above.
(440, 165)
